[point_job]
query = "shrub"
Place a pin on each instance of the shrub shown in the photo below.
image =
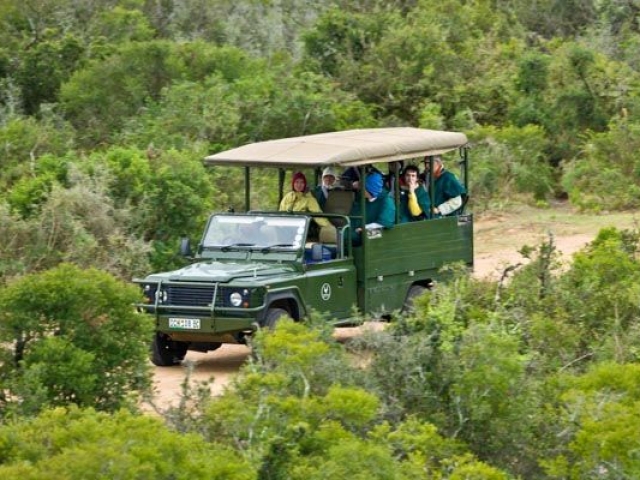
(72, 336)
(74, 443)
(604, 177)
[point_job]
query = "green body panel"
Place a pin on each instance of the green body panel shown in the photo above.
(407, 254)
(332, 288)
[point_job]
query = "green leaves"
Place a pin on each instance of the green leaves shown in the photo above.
(75, 339)
(74, 443)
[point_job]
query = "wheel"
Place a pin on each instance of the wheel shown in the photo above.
(414, 292)
(166, 352)
(273, 316)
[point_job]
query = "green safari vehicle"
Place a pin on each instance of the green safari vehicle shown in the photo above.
(252, 268)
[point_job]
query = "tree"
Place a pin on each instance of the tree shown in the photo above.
(43, 68)
(510, 161)
(176, 203)
(188, 114)
(79, 225)
(71, 336)
(604, 177)
(23, 140)
(100, 98)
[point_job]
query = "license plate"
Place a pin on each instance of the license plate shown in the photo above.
(185, 323)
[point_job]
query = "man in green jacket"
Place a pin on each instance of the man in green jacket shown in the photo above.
(414, 198)
(380, 210)
(448, 190)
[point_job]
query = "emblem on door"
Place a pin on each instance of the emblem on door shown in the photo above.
(325, 291)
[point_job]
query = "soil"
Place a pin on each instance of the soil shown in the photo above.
(498, 236)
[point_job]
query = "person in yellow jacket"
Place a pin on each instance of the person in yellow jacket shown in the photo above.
(301, 200)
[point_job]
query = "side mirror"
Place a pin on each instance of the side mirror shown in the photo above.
(185, 247)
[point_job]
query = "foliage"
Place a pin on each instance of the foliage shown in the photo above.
(23, 140)
(463, 371)
(76, 443)
(178, 184)
(71, 336)
(38, 78)
(403, 63)
(299, 413)
(599, 414)
(510, 161)
(603, 178)
(279, 104)
(126, 173)
(187, 113)
(101, 97)
(606, 273)
(77, 225)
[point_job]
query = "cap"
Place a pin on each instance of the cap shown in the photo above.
(330, 171)
(373, 184)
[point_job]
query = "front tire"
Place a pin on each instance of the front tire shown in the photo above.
(165, 352)
(273, 316)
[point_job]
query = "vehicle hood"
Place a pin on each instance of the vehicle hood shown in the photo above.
(223, 272)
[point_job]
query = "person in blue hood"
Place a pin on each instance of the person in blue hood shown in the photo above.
(379, 207)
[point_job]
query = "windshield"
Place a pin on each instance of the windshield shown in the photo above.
(255, 231)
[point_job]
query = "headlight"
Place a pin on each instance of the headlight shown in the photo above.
(235, 299)
(149, 292)
(162, 296)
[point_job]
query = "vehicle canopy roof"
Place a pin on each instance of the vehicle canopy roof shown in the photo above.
(345, 148)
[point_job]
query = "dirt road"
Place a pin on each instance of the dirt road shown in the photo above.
(497, 240)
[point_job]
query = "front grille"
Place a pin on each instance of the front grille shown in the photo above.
(193, 296)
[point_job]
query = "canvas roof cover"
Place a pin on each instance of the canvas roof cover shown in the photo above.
(345, 148)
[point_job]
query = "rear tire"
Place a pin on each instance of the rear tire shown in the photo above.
(414, 292)
(165, 352)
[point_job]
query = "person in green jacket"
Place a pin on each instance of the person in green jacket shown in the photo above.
(379, 207)
(414, 198)
(448, 190)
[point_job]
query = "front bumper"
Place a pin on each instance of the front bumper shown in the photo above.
(169, 301)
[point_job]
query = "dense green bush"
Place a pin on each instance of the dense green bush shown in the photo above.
(72, 336)
(299, 413)
(597, 418)
(605, 176)
(510, 161)
(23, 140)
(75, 443)
(78, 224)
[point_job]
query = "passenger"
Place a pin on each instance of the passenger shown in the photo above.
(379, 207)
(329, 178)
(448, 190)
(300, 200)
(350, 178)
(414, 198)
